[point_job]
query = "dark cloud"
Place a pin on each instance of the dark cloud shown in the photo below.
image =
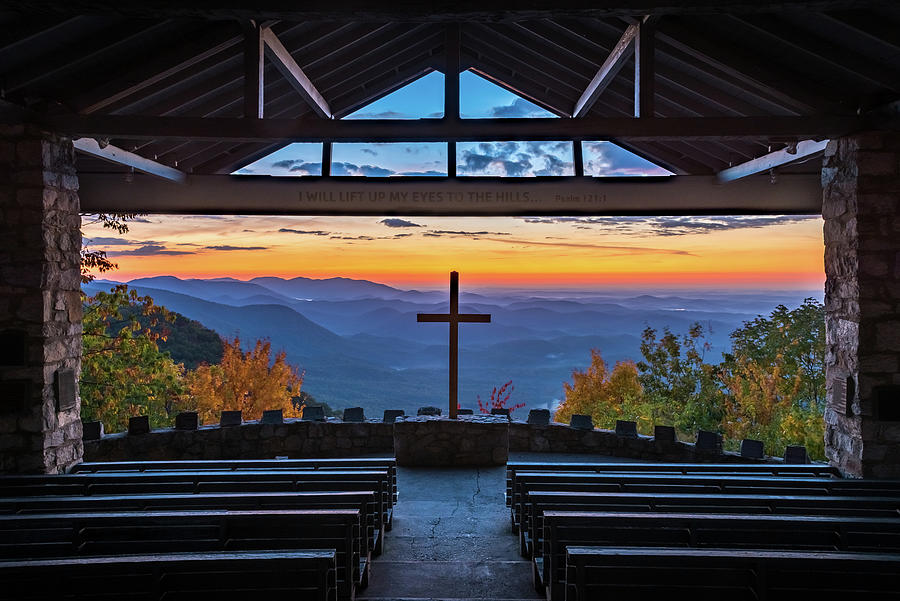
(395, 222)
(352, 238)
(519, 108)
(150, 250)
(516, 159)
(286, 230)
(285, 164)
(382, 115)
(307, 169)
(431, 235)
(227, 247)
(615, 250)
(423, 173)
(676, 226)
(369, 151)
(373, 171)
(402, 235)
(104, 241)
(464, 233)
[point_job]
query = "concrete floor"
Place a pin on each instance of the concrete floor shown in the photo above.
(451, 537)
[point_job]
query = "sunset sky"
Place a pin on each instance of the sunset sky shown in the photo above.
(749, 252)
(663, 252)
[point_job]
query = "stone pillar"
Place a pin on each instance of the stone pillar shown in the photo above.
(861, 207)
(40, 303)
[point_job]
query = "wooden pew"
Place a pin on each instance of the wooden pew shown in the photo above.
(307, 575)
(198, 482)
(564, 529)
(364, 501)
(364, 463)
(537, 502)
(696, 484)
(641, 573)
(816, 470)
(39, 536)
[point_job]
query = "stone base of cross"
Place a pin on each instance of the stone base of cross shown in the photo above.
(454, 318)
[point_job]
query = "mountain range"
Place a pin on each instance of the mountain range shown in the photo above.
(359, 343)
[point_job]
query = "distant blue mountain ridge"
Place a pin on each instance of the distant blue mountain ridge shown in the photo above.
(359, 343)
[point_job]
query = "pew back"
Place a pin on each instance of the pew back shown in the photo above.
(299, 575)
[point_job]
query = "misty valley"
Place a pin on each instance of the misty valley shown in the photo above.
(358, 342)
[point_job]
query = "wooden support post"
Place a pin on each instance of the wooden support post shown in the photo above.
(578, 158)
(326, 159)
(644, 69)
(451, 72)
(254, 54)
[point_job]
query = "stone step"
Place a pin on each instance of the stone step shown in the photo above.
(457, 580)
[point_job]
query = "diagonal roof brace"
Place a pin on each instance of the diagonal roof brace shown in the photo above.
(793, 153)
(288, 67)
(117, 155)
(621, 52)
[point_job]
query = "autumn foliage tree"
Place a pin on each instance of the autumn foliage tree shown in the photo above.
(249, 381)
(603, 394)
(123, 372)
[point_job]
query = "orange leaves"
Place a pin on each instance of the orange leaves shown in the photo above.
(249, 381)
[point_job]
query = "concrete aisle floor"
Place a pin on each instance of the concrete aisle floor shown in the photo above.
(451, 539)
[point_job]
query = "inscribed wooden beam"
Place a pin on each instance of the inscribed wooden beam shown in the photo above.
(119, 156)
(436, 130)
(802, 150)
(414, 10)
(254, 66)
(645, 70)
(289, 68)
(621, 52)
(477, 196)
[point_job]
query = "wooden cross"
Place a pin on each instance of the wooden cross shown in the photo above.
(454, 318)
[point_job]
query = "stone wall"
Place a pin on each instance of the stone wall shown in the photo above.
(469, 440)
(483, 440)
(559, 438)
(861, 207)
(40, 303)
(251, 440)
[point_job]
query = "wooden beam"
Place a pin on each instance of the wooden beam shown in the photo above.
(802, 150)
(621, 52)
(461, 196)
(289, 68)
(415, 10)
(119, 156)
(159, 68)
(451, 72)
(435, 130)
(645, 70)
(254, 68)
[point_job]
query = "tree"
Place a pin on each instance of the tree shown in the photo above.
(605, 396)
(679, 386)
(123, 372)
(499, 398)
(97, 259)
(245, 381)
(775, 379)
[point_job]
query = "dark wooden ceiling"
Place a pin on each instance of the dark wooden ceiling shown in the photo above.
(714, 59)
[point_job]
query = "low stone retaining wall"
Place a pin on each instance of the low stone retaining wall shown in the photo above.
(250, 440)
(469, 440)
(423, 440)
(560, 438)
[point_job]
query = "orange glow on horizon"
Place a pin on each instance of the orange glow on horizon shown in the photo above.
(501, 252)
